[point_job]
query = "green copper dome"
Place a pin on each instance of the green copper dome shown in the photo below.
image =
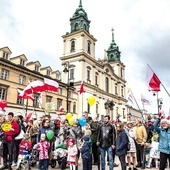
(79, 19)
(113, 52)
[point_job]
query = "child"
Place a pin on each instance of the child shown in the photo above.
(72, 154)
(86, 152)
(24, 148)
(154, 153)
(42, 147)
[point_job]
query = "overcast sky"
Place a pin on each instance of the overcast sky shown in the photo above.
(141, 28)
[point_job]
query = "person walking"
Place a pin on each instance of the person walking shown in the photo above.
(106, 142)
(94, 130)
(164, 140)
(121, 144)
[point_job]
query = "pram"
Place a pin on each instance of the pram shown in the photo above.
(24, 161)
(34, 156)
(59, 156)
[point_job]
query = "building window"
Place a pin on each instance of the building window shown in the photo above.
(3, 93)
(71, 73)
(57, 76)
(97, 108)
(88, 75)
(59, 90)
(36, 68)
(121, 72)
(96, 81)
(72, 46)
(116, 92)
(74, 107)
(122, 91)
(48, 73)
(36, 100)
(5, 55)
(20, 101)
(88, 48)
(59, 103)
(107, 84)
(22, 62)
(21, 79)
(48, 99)
(5, 74)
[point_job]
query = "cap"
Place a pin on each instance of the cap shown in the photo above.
(71, 140)
(165, 121)
(86, 137)
(42, 135)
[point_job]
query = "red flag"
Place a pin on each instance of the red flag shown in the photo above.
(82, 87)
(50, 85)
(152, 80)
(34, 86)
(24, 95)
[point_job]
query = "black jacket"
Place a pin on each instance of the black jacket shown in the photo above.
(106, 135)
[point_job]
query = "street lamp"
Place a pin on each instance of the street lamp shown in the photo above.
(66, 70)
(109, 106)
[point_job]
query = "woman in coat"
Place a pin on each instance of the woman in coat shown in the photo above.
(121, 144)
(164, 140)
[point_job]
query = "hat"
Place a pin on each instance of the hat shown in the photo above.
(86, 137)
(129, 122)
(71, 140)
(18, 114)
(42, 135)
(165, 121)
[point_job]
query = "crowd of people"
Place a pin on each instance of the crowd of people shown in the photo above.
(134, 143)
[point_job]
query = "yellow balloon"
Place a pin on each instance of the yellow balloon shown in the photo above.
(71, 121)
(68, 116)
(6, 126)
(91, 100)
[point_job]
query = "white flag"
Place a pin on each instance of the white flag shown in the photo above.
(130, 97)
(145, 100)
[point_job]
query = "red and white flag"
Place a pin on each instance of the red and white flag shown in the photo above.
(61, 109)
(34, 87)
(82, 87)
(24, 95)
(152, 80)
(50, 85)
(145, 100)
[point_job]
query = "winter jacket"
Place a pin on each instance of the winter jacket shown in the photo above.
(42, 148)
(72, 153)
(43, 130)
(10, 135)
(164, 138)
(85, 150)
(25, 145)
(121, 143)
(106, 135)
(93, 128)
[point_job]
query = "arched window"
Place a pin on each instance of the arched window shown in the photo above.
(72, 46)
(76, 27)
(107, 84)
(88, 48)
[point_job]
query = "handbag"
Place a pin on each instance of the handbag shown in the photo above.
(20, 136)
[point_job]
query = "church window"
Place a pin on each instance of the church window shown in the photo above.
(107, 85)
(72, 46)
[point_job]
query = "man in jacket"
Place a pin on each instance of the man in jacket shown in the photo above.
(106, 142)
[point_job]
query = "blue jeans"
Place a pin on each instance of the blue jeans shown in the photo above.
(43, 164)
(109, 151)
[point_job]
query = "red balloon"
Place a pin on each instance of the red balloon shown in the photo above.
(3, 104)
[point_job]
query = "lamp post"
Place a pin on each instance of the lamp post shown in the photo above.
(109, 106)
(66, 70)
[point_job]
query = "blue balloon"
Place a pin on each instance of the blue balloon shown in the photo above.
(82, 121)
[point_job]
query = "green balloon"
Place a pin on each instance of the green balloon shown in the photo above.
(50, 134)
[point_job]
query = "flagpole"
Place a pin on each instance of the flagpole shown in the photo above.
(82, 102)
(160, 81)
(137, 104)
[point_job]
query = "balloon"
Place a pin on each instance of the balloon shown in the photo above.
(71, 121)
(82, 121)
(6, 126)
(68, 116)
(50, 134)
(91, 100)
(3, 104)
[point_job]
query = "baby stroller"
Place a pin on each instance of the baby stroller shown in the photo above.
(24, 161)
(34, 156)
(59, 156)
